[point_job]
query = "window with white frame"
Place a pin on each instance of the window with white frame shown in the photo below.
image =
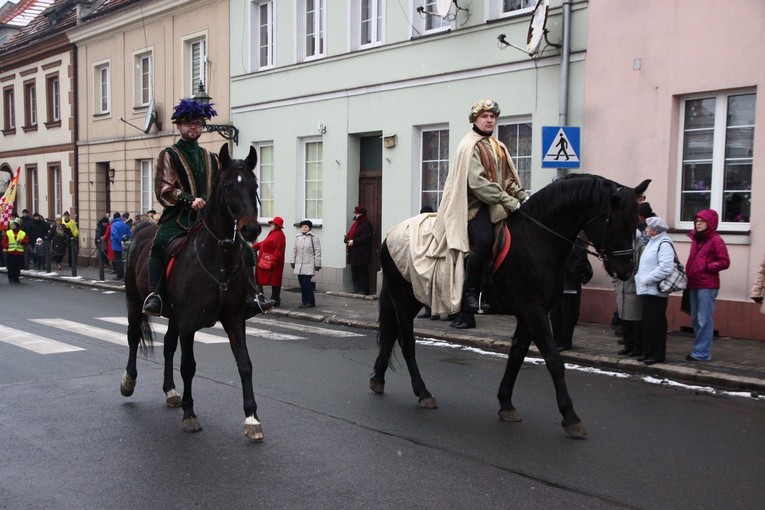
(503, 8)
(313, 172)
(434, 164)
(196, 57)
(262, 34)
(55, 190)
(53, 102)
(33, 189)
(143, 78)
(717, 145)
(311, 29)
(9, 110)
(147, 184)
(102, 88)
(30, 104)
(427, 22)
(517, 137)
(266, 180)
(366, 20)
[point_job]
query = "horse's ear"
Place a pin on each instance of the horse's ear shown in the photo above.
(640, 189)
(252, 158)
(224, 156)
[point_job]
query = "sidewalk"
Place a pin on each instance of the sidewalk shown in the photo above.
(737, 364)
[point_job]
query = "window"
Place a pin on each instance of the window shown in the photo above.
(102, 89)
(515, 6)
(266, 180)
(147, 185)
(30, 104)
(367, 23)
(53, 93)
(423, 23)
(55, 190)
(717, 144)
(263, 34)
(313, 167)
(33, 202)
(9, 110)
(434, 155)
(517, 137)
(197, 61)
(311, 29)
(143, 79)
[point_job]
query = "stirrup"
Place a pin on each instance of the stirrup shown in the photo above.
(161, 305)
(260, 304)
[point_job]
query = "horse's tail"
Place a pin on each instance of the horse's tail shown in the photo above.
(147, 337)
(387, 333)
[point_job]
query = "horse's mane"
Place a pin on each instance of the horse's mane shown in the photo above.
(570, 191)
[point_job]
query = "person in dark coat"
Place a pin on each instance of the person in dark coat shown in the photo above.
(358, 243)
(272, 248)
(564, 315)
(38, 228)
(101, 246)
(59, 239)
(26, 227)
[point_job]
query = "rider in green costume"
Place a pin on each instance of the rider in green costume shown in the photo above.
(182, 182)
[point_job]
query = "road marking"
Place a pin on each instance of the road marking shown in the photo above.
(34, 343)
(309, 329)
(207, 338)
(87, 330)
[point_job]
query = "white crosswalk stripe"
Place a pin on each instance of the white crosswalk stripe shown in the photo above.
(86, 330)
(308, 329)
(34, 343)
(207, 338)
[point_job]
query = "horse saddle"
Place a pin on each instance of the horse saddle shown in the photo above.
(502, 241)
(174, 247)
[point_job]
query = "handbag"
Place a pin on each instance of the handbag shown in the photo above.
(677, 279)
(266, 262)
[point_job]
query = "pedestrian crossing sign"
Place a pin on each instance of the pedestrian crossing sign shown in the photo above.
(560, 146)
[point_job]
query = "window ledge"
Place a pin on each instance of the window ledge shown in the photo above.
(28, 129)
(11, 131)
(101, 115)
(54, 124)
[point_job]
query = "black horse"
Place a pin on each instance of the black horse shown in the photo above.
(528, 283)
(208, 283)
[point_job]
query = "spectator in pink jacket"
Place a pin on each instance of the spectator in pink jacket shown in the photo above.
(707, 258)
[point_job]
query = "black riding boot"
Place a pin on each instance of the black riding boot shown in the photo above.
(276, 295)
(153, 303)
(471, 292)
(256, 301)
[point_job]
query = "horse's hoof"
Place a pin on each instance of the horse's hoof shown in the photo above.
(428, 403)
(575, 430)
(377, 386)
(191, 425)
(127, 385)
(509, 415)
(253, 430)
(173, 398)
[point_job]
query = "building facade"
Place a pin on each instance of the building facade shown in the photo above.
(672, 94)
(365, 101)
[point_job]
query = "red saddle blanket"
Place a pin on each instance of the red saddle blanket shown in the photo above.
(501, 246)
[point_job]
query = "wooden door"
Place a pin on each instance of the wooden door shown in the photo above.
(370, 196)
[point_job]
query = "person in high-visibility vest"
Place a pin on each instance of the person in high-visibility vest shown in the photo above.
(14, 242)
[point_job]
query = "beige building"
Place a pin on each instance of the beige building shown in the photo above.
(133, 65)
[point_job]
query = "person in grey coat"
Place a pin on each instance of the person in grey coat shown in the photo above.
(630, 306)
(306, 260)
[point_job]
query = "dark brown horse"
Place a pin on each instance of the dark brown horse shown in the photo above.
(528, 283)
(208, 284)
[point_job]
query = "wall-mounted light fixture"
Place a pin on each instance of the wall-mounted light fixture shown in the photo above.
(112, 174)
(227, 131)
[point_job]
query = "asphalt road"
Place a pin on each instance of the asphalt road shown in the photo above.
(68, 439)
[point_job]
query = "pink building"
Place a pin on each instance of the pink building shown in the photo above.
(671, 94)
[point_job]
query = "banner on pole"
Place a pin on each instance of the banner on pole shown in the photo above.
(6, 201)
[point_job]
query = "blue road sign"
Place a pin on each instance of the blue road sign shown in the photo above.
(560, 147)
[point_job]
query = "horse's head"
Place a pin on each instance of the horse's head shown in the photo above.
(237, 187)
(613, 231)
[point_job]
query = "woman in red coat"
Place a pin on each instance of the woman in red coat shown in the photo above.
(271, 259)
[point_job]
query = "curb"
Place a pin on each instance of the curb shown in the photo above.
(628, 365)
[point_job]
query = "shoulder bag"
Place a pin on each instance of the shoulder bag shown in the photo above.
(266, 262)
(677, 279)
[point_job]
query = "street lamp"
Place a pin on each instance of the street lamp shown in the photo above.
(227, 131)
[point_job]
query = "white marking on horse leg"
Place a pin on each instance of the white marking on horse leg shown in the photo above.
(251, 420)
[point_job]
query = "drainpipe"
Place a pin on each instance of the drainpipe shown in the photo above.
(565, 58)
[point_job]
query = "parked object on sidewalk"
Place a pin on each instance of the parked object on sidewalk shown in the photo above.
(212, 264)
(605, 210)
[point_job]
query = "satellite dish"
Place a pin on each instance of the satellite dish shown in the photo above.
(537, 27)
(151, 118)
(443, 7)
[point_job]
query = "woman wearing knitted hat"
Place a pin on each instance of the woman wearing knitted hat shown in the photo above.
(656, 263)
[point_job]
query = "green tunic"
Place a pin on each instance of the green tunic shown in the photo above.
(184, 172)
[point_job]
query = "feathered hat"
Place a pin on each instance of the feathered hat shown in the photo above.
(188, 109)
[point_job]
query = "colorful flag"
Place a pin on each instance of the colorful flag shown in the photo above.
(6, 202)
